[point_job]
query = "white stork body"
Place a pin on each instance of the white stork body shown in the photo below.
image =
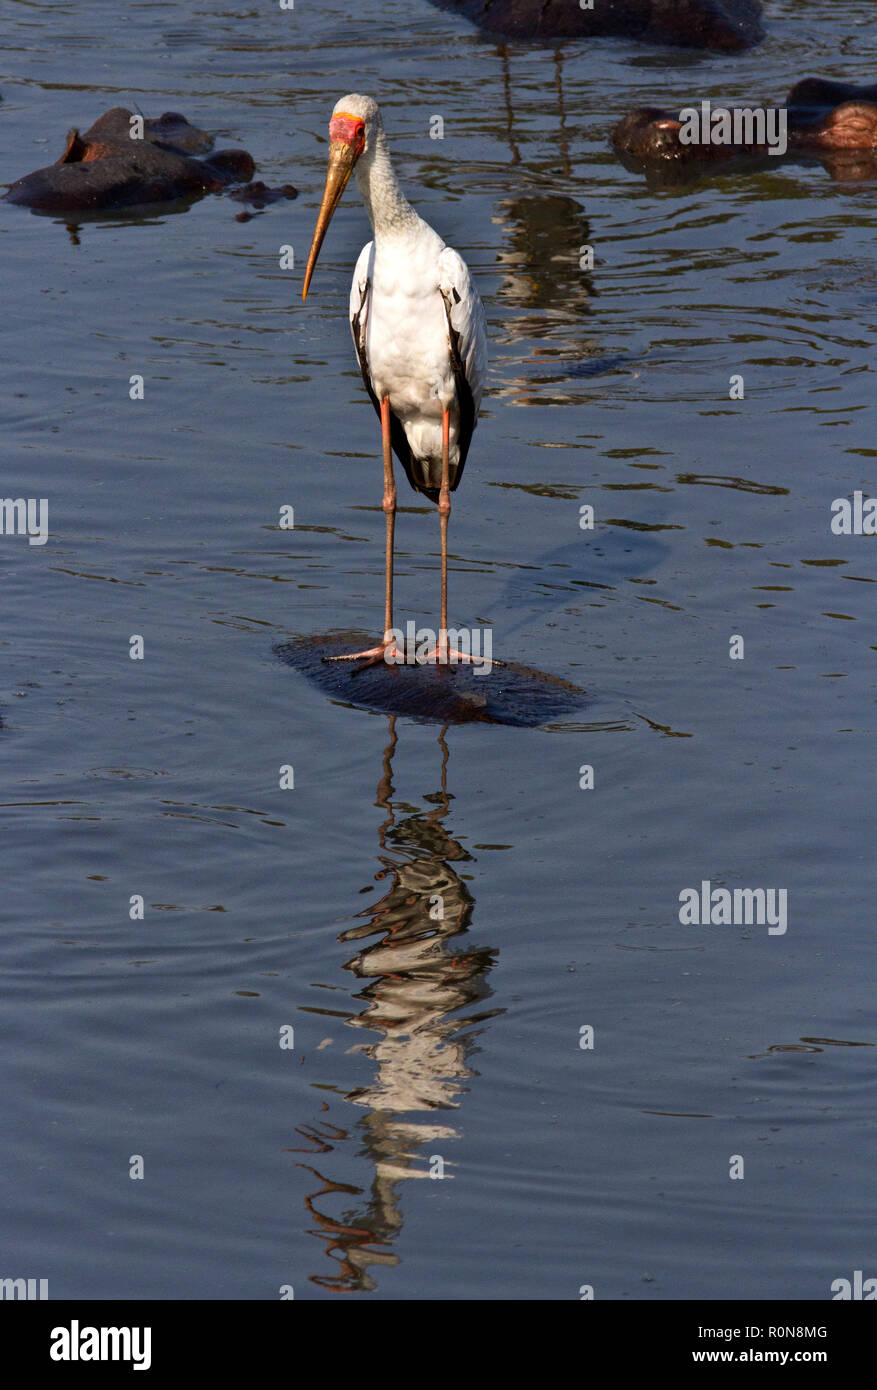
(398, 316)
(417, 323)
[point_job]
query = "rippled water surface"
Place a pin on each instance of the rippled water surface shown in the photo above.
(422, 1043)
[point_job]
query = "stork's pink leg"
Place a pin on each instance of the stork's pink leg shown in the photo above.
(440, 652)
(389, 505)
(387, 647)
(444, 508)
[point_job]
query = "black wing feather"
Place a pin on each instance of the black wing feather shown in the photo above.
(465, 399)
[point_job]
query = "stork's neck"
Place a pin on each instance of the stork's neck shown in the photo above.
(389, 211)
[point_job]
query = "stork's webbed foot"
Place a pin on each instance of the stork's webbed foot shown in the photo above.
(437, 656)
(385, 651)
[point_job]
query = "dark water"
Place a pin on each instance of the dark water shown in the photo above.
(418, 1040)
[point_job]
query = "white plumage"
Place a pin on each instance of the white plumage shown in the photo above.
(399, 321)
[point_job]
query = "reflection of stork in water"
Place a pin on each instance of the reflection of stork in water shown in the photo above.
(547, 285)
(562, 136)
(415, 984)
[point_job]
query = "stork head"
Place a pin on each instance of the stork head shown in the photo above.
(353, 130)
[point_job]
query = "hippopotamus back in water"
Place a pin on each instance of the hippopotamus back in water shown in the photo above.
(834, 119)
(454, 694)
(106, 168)
(726, 25)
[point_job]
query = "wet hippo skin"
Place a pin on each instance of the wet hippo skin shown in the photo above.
(105, 168)
(508, 694)
(725, 25)
(832, 115)
(822, 115)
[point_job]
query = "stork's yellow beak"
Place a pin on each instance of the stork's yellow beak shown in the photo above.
(342, 156)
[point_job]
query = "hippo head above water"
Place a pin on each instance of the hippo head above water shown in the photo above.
(833, 115)
(834, 120)
(125, 160)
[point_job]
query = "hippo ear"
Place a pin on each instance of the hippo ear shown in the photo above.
(74, 151)
(230, 166)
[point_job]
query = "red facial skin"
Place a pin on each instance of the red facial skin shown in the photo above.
(350, 130)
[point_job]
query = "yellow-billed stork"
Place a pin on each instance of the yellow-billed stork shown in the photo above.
(418, 329)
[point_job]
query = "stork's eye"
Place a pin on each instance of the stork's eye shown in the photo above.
(360, 127)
